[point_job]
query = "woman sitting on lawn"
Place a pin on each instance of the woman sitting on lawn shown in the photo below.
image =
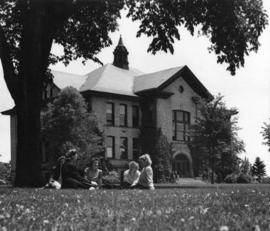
(71, 177)
(146, 178)
(94, 174)
(131, 175)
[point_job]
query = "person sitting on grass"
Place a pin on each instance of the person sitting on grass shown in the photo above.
(94, 174)
(146, 177)
(55, 180)
(71, 177)
(131, 175)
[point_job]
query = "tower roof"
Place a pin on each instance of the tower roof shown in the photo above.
(121, 55)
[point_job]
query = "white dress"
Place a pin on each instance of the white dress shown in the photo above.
(131, 178)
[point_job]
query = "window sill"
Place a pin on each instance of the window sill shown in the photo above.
(107, 125)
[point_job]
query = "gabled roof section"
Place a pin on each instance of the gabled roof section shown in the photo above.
(159, 80)
(64, 79)
(111, 79)
(153, 80)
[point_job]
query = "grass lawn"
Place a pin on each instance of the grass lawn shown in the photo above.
(238, 207)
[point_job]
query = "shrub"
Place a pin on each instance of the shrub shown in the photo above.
(231, 178)
(112, 178)
(5, 173)
(265, 180)
(238, 178)
(244, 178)
(154, 142)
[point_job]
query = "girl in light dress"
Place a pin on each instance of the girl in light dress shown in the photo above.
(131, 175)
(145, 180)
(94, 174)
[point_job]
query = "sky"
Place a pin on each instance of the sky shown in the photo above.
(248, 90)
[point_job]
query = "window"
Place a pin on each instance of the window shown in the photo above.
(124, 148)
(123, 115)
(110, 147)
(136, 149)
(110, 114)
(181, 125)
(135, 116)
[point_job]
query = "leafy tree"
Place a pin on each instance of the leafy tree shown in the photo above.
(157, 146)
(66, 123)
(232, 26)
(28, 29)
(5, 172)
(245, 166)
(215, 144)
(266, 134)
(258, 169)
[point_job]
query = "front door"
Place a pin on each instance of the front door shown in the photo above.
(181, 166)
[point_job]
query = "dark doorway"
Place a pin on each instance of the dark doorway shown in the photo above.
(181, 165)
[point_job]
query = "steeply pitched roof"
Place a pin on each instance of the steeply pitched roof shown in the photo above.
(111, 79)
(64, 79)
(153, 80)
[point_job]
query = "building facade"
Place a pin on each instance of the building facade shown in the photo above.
(125, 100)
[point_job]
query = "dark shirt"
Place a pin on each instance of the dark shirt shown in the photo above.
(69, 170)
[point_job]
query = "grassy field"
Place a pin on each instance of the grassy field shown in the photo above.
(236, 207)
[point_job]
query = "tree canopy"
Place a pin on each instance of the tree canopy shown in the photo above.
(258, 169)
(266, 134)
(215, 143)
(233, 27)
(66, 121)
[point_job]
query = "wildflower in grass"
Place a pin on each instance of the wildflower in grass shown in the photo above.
(159, 213)
(169, 210)
(204, 211)
(27, 210)
(45, 222)
(224, 228)
(256, 228)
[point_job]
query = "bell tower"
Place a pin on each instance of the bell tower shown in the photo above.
(121, 55)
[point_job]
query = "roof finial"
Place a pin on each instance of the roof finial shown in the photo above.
(120, 43)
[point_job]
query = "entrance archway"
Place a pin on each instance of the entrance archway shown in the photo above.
(181, 165)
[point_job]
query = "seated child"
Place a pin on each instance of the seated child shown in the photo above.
(71, 177)
(66, 174)
(146, 178)
(94, 174)
(131, 175)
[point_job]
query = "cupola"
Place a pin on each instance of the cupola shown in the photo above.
(121, 55)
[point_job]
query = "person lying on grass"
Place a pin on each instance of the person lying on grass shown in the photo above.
(131, 175)
(146, 177)
(94, 174)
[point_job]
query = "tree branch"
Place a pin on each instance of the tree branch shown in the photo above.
(8, 68)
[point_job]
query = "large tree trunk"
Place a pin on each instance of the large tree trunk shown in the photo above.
(35, 48)
(40, 24)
